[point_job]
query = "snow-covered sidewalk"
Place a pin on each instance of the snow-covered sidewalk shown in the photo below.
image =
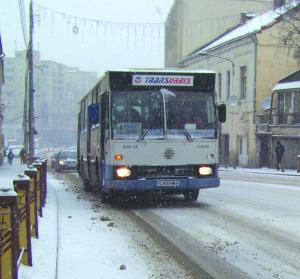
(82, 238)
(9, 172)
(264, 170)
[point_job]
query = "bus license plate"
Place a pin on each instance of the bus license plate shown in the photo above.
(168, 183)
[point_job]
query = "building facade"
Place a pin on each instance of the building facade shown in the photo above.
(243, 59)
(58, 91)
(193, 23)
(56, 96)
(13, 97)
(283, 123)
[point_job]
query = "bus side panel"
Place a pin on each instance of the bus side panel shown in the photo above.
(106, 169)
(94, 157)
(83, 155)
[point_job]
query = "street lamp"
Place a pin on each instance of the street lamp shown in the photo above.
(217, 56)
(188, 60)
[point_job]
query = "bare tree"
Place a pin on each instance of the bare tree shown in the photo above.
(289, 34)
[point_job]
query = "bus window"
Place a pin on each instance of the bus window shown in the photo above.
(192, 112)
(137, 113)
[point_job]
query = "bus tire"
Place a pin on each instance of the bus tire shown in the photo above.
(191, 195)
(105, 197)
(87, 186)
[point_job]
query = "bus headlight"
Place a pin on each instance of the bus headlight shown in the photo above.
(61, 162)
(123, 172)
(205, 171)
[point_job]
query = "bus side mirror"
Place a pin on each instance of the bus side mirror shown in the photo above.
(222, 112)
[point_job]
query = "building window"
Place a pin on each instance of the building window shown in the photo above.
(243, 82)
(240, 144)
(297, 107)
(228, 84)
(220, 85)
(284, 106)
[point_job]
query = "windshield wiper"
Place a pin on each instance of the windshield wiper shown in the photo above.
(187, 134)
(142, 136)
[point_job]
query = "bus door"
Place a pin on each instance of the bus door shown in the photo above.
(79, 163)
(93, 120)
(104, 132)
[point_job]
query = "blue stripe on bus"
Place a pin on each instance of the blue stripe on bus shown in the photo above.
(151, 184)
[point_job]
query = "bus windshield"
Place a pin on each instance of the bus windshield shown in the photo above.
(163, 114)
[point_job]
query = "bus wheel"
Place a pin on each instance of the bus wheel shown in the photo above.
(87, 186)
(105, 197)
(191, 195)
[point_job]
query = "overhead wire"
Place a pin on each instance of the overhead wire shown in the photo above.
(92, 19)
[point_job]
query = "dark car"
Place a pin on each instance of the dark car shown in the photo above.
(66, 160)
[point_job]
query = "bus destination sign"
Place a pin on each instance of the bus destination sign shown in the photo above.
(162, 80)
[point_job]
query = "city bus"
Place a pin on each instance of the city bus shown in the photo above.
(144, 130)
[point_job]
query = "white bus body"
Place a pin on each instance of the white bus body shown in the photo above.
(150, 130)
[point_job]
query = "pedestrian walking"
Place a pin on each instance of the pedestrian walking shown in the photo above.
(279, 151)
(23, 156)
(10, 156)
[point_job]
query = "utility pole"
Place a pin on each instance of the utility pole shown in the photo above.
(25, 112)
(31, 129)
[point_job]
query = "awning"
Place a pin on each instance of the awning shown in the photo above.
(287, 85)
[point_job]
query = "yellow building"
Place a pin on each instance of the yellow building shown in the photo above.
(249, 61)
(192, 23)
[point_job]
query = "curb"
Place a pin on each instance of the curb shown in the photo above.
(257, 172)
(191, 253)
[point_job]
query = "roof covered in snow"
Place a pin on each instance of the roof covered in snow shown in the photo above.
(290, 82)
(252, 26)
(287, 85)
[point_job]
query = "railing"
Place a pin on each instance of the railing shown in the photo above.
(19, 210)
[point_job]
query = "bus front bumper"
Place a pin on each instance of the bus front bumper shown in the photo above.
(163, 184)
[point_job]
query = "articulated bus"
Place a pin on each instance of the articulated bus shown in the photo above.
(143, 130)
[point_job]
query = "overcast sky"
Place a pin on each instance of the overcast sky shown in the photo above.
(93, 35)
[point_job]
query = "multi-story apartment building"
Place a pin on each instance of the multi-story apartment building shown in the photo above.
(56, 96)
(59, 89)
(13, 94)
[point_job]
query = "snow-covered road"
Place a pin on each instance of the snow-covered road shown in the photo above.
(247, 228)
(240, 230)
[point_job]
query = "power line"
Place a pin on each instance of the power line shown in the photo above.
(112, 33)
(92, 19)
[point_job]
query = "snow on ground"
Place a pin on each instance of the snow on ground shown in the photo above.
(264, 170)
(8, 173)
(81, 238)
(86, 248)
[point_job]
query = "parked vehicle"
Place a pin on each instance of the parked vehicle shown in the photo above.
(66, 160)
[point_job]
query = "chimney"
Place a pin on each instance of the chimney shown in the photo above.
(278, 3)
(246, 16)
